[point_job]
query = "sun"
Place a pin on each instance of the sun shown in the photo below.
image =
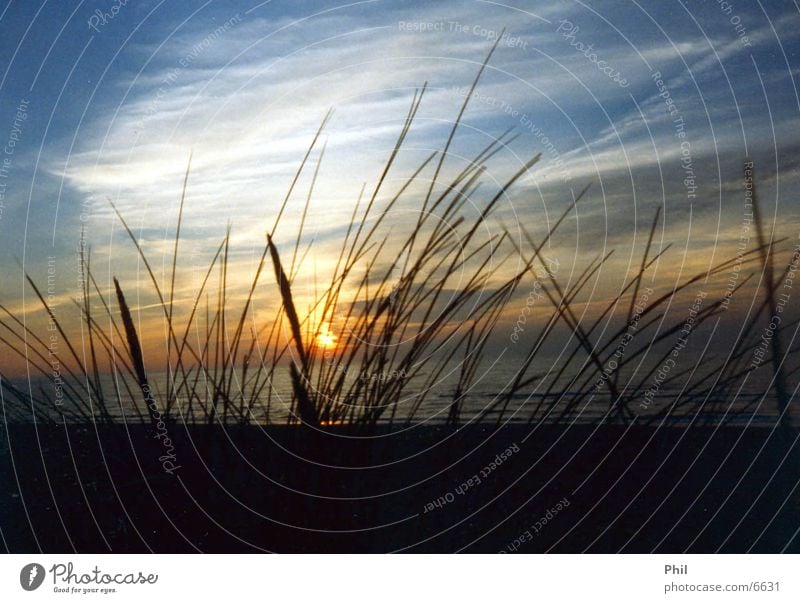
(326, 339)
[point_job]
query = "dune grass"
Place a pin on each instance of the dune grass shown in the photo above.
(398, 337)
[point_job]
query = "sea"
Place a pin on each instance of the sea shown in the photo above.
(425, 398)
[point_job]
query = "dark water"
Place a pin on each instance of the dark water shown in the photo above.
(749, 403)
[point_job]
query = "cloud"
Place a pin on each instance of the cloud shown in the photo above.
(246, 99)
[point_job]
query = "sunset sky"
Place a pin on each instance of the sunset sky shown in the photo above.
(115, 101)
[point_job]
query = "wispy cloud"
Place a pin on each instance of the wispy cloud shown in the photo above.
(246, 96)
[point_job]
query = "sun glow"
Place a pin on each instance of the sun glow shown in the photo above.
(327, 340)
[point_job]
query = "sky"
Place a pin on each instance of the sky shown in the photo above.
(655, 104)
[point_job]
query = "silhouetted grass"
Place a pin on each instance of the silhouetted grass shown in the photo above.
(398, 337)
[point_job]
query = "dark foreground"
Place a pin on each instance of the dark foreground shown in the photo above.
(428, 489)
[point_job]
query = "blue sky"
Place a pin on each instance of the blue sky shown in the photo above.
(116, 104)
